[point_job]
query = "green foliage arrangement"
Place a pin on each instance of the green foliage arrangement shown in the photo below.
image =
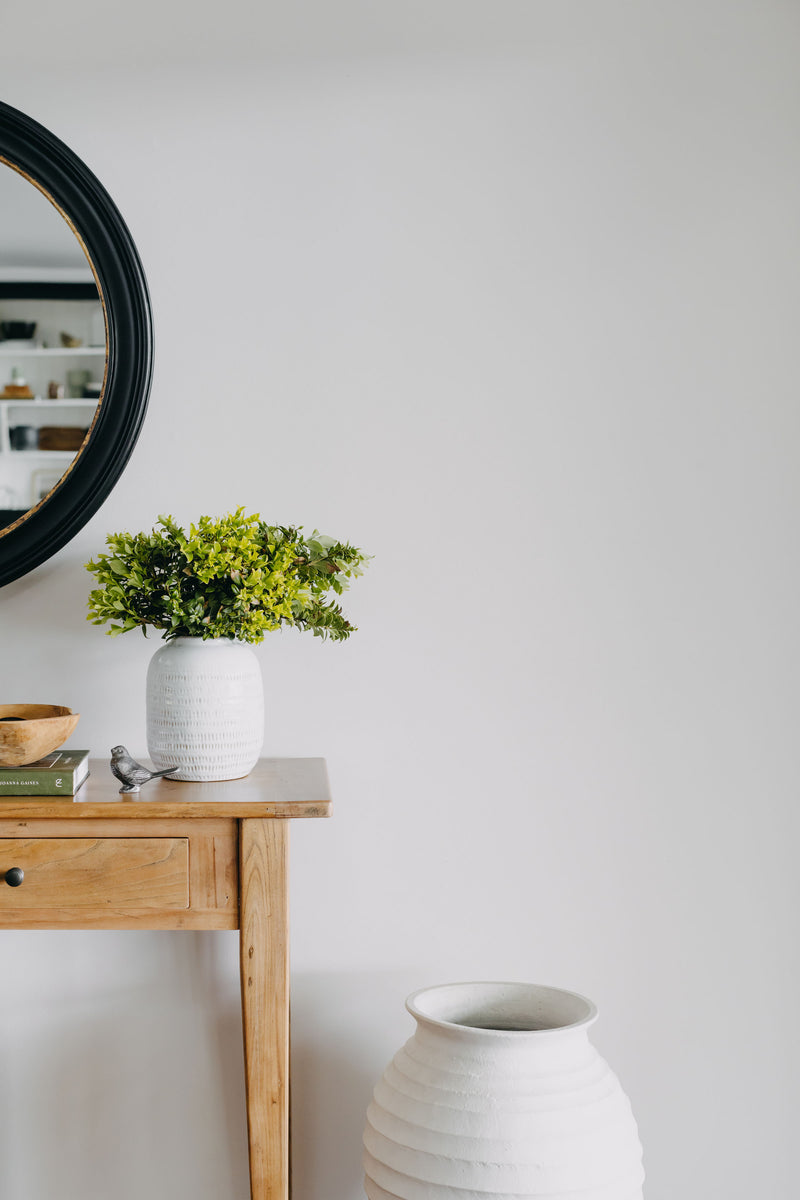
(235, 577)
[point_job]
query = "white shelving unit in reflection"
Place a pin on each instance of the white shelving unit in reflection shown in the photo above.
(27, 475)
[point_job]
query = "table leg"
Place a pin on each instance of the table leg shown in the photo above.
(264, 962)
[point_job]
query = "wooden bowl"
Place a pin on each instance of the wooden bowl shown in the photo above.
(36, 730)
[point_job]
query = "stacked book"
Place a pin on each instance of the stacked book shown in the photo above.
(58, 774)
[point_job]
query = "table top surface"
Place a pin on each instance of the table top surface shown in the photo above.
(276, 788)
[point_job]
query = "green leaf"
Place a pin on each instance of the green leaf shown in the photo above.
(234, 576)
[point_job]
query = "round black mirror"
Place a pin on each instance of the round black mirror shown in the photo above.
(76, 344)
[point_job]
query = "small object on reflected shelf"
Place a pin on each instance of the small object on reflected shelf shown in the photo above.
(76, 382)
(55, 390)
(131, 773)
(18, 388)
(43, 482)
(69, 342)
(61, 437)
(17, 331)
(30, 731)
(23, 437)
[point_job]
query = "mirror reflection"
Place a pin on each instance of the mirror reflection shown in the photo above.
(52, 347)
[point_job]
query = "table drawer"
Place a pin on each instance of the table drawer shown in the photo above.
(126, 872)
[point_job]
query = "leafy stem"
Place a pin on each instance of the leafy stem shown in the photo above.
(234, 577)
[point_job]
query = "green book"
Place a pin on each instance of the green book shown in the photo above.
(58, 774)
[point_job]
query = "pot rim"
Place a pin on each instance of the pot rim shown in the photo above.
(530, 998)
(199, 640)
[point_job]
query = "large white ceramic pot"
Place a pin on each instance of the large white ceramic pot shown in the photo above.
(499, 1095)
(205, 708)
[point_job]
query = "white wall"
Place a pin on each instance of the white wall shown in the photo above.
(508, 294)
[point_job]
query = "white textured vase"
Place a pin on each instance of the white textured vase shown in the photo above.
(499, 1095)
(205, 708)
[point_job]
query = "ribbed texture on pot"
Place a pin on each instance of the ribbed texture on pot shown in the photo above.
(205, 708)
(465, 1113)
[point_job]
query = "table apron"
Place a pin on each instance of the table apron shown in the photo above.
(210, 875)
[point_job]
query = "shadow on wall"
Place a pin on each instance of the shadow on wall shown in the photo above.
(55, 593)
(346, 1026)
(132, 1086)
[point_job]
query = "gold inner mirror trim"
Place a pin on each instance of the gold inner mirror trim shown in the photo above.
(68, 470)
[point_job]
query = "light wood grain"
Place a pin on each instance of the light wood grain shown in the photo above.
(96, 873)
(214, 871)
(264, 962)
(236, 836)
(276, 788)
(49, 827)
(213, 878)
(36, 731)
(110, 918)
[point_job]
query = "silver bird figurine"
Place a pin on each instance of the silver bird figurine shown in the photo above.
(131, 773)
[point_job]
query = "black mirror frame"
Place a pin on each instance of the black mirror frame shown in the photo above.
(64, 178)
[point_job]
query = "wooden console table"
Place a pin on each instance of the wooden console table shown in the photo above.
(180, 856)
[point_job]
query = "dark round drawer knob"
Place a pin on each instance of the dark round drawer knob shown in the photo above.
(15, 876)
